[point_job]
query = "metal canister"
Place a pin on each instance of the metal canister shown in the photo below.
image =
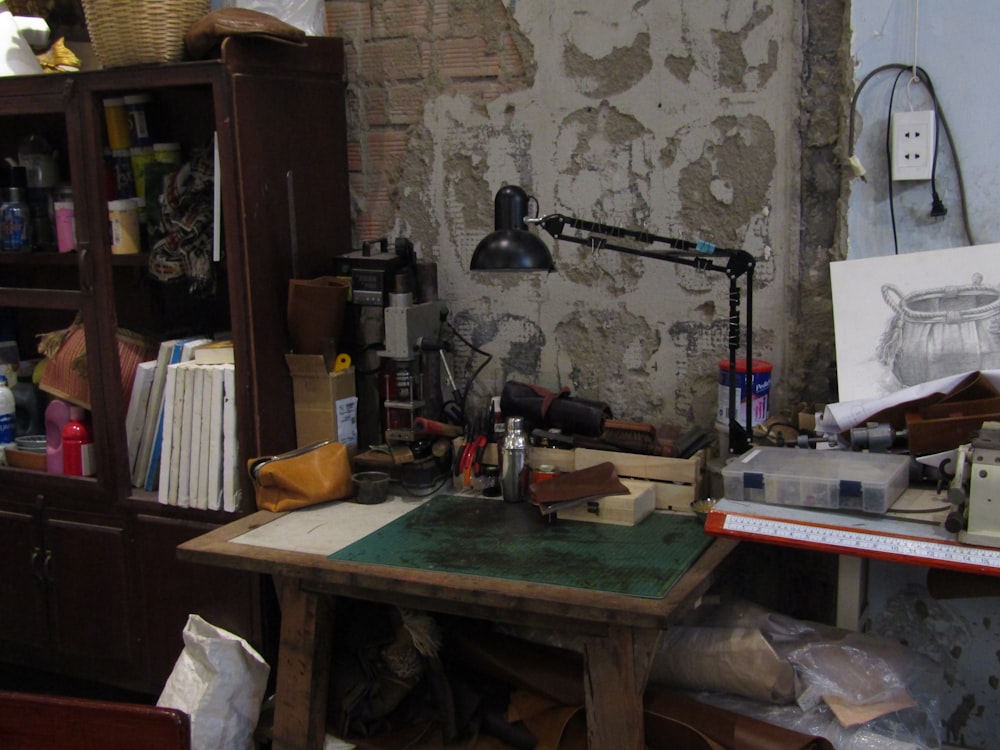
(513, 462)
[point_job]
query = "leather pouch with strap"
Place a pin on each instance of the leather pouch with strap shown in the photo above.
(542, 407)
(310, 475)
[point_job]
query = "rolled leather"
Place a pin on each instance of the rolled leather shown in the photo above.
(207, 33)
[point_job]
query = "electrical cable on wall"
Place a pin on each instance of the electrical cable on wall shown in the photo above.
(921, 76)
(888, 163)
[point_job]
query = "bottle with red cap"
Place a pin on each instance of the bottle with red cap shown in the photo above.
(77, 446)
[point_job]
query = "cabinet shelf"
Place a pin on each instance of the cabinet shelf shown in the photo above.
(260, 101)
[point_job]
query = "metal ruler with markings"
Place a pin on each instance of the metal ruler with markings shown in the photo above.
(896, 548)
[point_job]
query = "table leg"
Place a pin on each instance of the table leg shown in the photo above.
(303, 668)
(616, 667)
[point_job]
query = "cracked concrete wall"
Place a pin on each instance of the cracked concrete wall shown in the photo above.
(678, 118)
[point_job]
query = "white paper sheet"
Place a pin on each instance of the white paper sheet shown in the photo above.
(328, 528)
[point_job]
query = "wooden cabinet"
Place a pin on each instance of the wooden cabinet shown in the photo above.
(63, 593)
(24, 621)
(91, 584)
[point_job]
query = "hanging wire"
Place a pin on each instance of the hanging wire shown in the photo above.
(940, 119)
(914, 78)
(888, 161)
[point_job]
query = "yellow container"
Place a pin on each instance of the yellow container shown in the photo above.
(123, 216)
(116, 122)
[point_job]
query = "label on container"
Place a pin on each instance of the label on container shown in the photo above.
(14, 224)
(760, 387)
(87, 465)
(7, 428)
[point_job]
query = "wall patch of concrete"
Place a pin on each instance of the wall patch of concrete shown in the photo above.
(735, 70)
(725, 188)
(611, 74)
(610, 352)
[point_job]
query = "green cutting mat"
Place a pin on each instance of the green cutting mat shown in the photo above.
(494, 539)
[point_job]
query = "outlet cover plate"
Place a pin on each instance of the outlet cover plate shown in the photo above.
(912, 145)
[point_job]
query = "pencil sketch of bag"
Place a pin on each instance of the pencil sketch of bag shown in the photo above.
(942, 331)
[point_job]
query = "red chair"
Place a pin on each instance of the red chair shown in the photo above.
(44, 722)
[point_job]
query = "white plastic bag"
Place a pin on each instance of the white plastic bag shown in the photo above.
(219, 681)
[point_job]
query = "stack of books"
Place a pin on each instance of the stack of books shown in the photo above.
(181, 425)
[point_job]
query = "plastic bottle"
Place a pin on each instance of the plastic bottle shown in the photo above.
(78, 448)
(56, 417)
(513, 462)
(15, 218)
(8, 422)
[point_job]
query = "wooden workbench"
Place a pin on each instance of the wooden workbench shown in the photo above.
(619, 632)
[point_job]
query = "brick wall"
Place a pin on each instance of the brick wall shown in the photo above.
(400, 53)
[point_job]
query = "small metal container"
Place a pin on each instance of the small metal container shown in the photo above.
(373, 487)
(513, 462)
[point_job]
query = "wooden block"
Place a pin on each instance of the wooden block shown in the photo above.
(621, 510)
(677, 481)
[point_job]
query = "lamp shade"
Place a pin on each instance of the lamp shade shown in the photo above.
(511, 247)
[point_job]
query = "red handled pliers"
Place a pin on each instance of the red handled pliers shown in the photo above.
(472, 455)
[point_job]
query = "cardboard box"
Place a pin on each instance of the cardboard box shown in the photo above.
(620, 510)
(326, 404)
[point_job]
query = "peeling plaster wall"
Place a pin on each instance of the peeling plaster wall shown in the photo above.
(677, 117)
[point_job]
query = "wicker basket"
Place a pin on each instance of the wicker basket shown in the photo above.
(127, 32)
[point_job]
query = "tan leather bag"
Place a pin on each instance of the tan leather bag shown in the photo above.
(310, 475)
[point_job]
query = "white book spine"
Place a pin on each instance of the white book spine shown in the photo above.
(169, 387)
(184, 465)
(230, 447)
(213, 491)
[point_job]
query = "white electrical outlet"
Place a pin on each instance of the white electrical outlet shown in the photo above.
(912, 145)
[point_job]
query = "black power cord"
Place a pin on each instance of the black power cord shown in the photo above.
(938, 208)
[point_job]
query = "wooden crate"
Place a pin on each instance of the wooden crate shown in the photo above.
(678, 481)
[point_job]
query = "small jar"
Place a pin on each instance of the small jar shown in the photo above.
(543, 472)
(137, 109)
(116, 122)
(167, 153)
(490, 481)
(123, 217)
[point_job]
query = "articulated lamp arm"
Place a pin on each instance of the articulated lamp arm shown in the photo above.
(700, 255)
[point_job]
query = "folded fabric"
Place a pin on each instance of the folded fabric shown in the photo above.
(206, 34)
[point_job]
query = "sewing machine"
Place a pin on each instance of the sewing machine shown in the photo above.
(975, 489)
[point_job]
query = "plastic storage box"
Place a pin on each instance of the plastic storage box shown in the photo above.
(845, 480)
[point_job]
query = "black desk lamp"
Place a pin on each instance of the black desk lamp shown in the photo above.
(513, 248)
